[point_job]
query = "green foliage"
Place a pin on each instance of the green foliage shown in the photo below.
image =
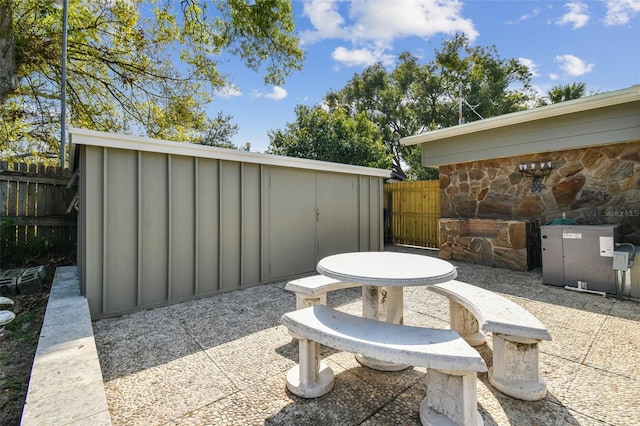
(220, 132)
(563, 93)
(13, 386)
(20, 254)
(333, 136)
(416, 171)
(20, 331)
(413, 98)
(145, 67)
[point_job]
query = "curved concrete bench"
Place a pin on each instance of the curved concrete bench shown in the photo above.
(451, 363)
(516, 334)
(313, 290)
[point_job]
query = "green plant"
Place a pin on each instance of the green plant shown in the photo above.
(13, 387)
(14, 253)
(36, 249)
(19, 331)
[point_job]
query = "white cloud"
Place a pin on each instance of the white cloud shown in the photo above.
(385, 21)
(277, 94)
(535, 13)
(228, 91)
(360, 57)
(573, 65)
(326, 20)
(530, 15)
(554, 76)
(533, 68)
(620, 12)
(371, 26)
(578, 15)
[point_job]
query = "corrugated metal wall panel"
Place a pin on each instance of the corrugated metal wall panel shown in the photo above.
(182, 227)
(153, 228)
(230, 224)
(208, 226)
(251, 224)
(92, 213)
(120, 228)
(292, 221)
(338, 214)
(159, 228)
(364, 213)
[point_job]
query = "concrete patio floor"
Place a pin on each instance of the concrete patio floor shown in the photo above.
(222, 360)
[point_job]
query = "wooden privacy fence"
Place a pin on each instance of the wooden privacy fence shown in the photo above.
(35, 214)
(412, 213)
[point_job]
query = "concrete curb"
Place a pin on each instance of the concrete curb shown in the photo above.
(66, 387)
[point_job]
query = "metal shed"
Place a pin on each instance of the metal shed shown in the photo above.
(161, 222)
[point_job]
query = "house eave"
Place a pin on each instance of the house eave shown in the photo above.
(604, 100)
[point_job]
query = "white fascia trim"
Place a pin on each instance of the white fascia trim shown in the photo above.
(603, 100)
(138, 143)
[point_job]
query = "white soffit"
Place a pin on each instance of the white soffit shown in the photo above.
(137, 143)
(603, 100)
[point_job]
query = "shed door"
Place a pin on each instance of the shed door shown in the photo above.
(337, 203)
(292, 222)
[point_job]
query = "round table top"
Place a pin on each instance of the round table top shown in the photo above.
(383, 268)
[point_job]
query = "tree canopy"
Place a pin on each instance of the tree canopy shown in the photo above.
(334, 136)
(412, 98)
(147, 67)
(562, 93)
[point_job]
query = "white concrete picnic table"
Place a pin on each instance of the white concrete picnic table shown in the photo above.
(382, 276)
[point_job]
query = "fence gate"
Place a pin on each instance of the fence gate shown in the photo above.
(36, 212)
(412, 210)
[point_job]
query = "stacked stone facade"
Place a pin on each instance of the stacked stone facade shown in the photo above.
(593, 186)
(499, 243)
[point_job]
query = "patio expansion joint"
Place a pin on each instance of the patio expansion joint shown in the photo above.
(595, 337)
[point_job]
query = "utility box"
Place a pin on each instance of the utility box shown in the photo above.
(634, 276)
(572, 253)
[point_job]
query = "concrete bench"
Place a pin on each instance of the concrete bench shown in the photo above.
(313, 290)
(452, 364)
(516, 334)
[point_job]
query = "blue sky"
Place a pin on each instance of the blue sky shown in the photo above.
(562, 42)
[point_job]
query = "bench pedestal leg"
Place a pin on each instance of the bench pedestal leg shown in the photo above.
(303, 301)
(311, 378)
(451, 399)
(382, 304)
(465, 324)
(515, 368)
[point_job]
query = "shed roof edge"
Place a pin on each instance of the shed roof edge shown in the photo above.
(78, 136)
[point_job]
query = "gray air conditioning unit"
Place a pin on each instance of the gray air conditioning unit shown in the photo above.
(580, 256)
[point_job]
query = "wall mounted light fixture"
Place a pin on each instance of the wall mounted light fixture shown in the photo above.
(536, 174)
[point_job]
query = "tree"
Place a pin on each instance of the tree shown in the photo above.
(220, 133)
(133, 65)
(563, 93)
(8, 74)
(333, 135)
(413, 98)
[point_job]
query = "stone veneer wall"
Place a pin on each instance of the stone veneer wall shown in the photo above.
(499, 243)
(594, 186)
